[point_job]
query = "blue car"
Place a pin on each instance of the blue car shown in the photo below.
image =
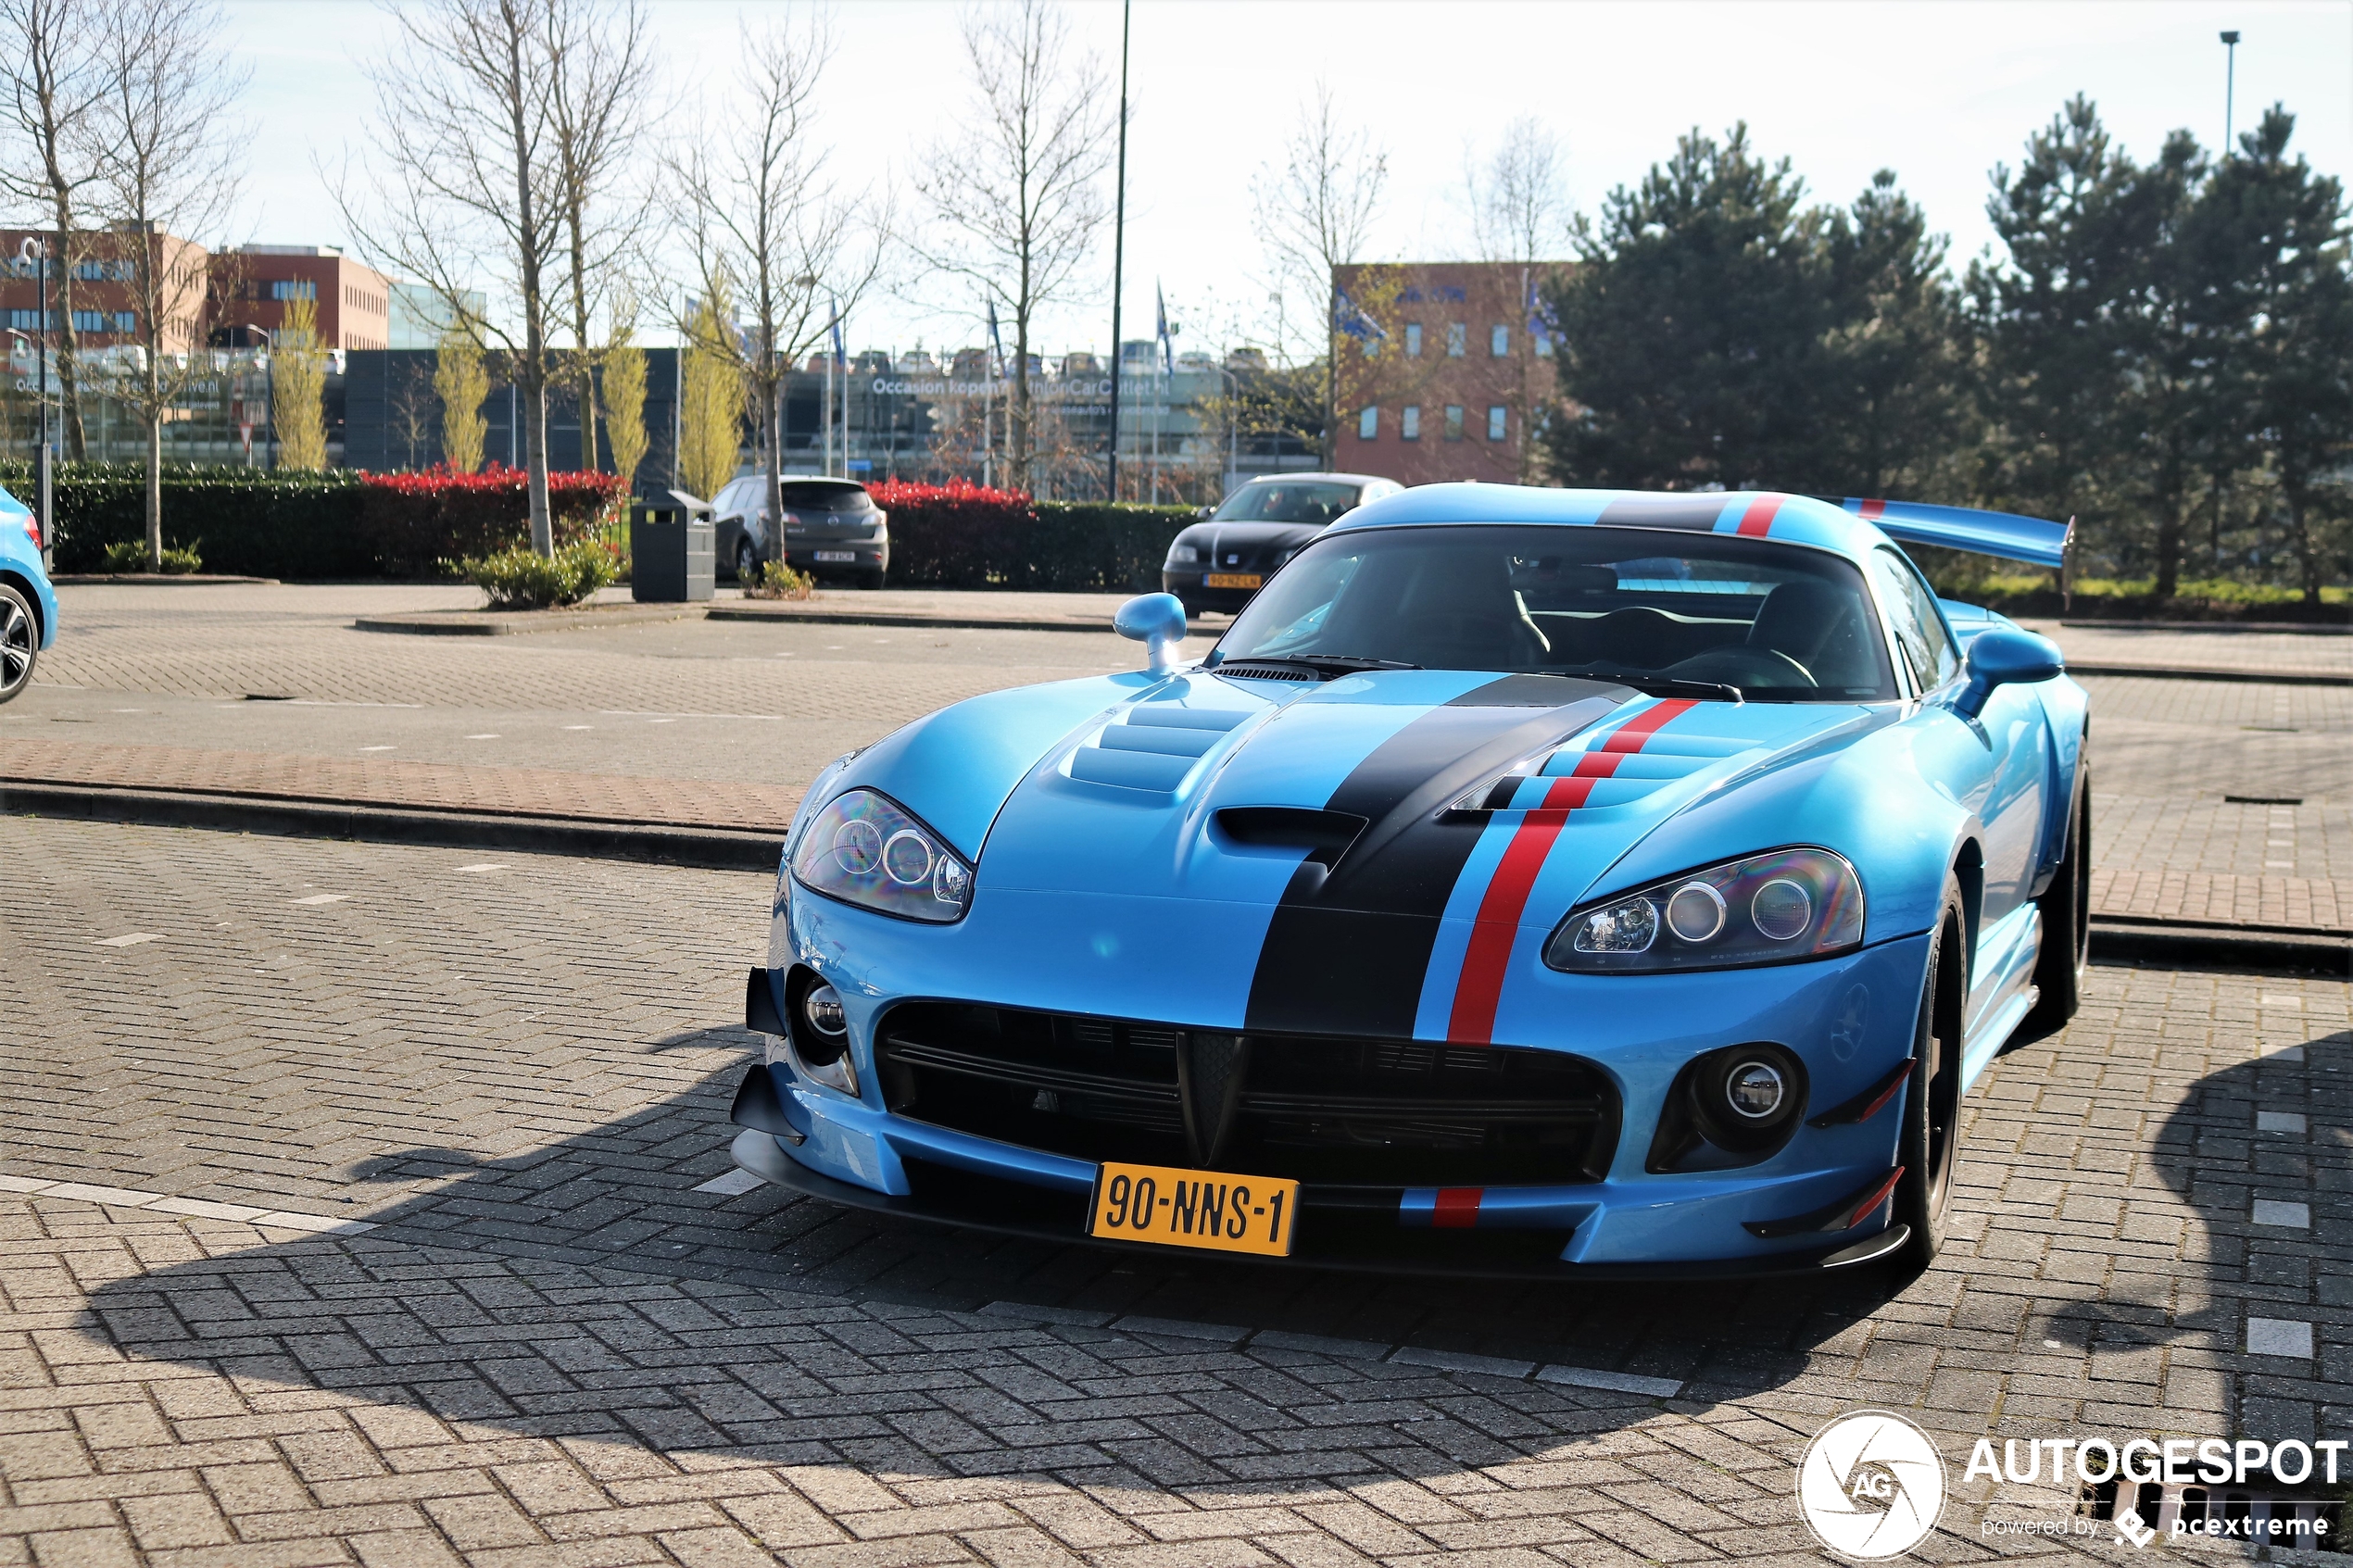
(1545, 882)
(28, 604)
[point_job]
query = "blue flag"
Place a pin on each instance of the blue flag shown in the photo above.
(1167, 350)
(841, 360)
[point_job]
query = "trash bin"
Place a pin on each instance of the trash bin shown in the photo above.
(670, 549)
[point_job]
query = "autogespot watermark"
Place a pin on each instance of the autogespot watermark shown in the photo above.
(1872, 1486)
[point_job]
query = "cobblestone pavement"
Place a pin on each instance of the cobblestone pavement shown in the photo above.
(571, 1340)
(2220, 646)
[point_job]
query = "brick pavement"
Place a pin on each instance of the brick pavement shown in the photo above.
(2220, 646)
(559, 1348)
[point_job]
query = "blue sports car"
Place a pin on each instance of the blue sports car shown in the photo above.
(1530, 882)
(28, 604)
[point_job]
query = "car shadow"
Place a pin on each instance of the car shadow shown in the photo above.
(477, 1264)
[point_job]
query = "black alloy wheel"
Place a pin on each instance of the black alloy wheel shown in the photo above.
(2067, 918)
(1929, 1149)
(19, 642)
(747, 565)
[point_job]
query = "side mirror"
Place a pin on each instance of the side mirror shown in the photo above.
(1157, 620)
(2001, 657)
(1204, 513)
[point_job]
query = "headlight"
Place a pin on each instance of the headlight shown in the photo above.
(863, 849)
(1183, 554)
(1766, 908)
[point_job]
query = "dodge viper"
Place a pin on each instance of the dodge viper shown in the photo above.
(1529, 881)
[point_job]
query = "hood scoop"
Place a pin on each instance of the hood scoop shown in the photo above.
(1291, 827)
(1590, 772)
(1151, 750)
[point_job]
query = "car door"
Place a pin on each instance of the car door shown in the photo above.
(2009, 761)
(727, 525)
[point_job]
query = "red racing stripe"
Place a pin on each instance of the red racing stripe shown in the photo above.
(1480, 986)
(1457, 1208)
(1872, 511)
(1757, 520)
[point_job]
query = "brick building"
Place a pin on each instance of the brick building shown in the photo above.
(105, 300)
(252, 285)
(1446, 372)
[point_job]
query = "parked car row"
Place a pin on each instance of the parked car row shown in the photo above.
(831, 528)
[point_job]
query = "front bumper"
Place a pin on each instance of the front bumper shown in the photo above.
(1187, 586)
(1849, 1019)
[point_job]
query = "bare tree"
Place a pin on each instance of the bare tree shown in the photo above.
(771, 231)
(169, 145)
(1520, 215)
(473, 182)
(52, 53)
(1012, 195)
(1314, 213)
(600, 89)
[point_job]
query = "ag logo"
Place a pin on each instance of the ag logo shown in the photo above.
(1870, 1486)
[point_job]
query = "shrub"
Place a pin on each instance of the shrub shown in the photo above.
(131, 555)
(778, 581)
(521, 578)
(414, 520)
(959, 536)
(180, 560)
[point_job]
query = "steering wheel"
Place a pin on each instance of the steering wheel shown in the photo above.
(1743, 665)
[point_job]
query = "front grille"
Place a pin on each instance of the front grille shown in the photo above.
(1321, 1109)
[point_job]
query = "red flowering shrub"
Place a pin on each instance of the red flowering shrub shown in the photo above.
(413, 521)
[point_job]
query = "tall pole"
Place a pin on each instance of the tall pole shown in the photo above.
(2230, 86)
(44, 478)
(1118, 248)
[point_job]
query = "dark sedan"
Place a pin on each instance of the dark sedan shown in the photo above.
(1218, 563)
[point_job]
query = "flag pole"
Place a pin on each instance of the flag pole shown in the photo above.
(1118, 250)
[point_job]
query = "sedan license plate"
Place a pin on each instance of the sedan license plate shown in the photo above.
(1211, 1210)
(833, 555)
(1234, 579)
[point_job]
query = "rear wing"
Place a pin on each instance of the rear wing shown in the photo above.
(2033, 540)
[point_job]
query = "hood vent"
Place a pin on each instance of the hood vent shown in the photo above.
(1151, 749)
(1291, 827)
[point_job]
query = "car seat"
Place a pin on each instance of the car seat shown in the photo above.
(1821, 627)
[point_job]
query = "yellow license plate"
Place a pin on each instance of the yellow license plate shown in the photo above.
(1204, 1209)
(1233, 579)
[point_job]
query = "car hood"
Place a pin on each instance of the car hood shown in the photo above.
(1325, 816)
(1219, 539)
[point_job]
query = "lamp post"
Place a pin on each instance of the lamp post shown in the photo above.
(2229, 84)
(244, 426)
(1118, 255)
(43, 477)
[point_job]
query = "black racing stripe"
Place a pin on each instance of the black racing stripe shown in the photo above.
(1349, 945)
(1664, 511)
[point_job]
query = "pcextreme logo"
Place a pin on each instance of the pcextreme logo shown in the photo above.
(1872, 1486)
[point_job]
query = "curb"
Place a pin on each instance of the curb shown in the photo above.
(2252, 677)
(706, 848)
(2221, 947)
(920, 618)
(153, 579)
(520, 622)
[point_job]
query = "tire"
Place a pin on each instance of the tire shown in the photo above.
(19, 642)
(873, 577)
(747, 565)
(1929, 1146)
(2067, 918)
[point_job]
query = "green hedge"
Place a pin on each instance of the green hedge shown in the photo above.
(340, 523)
(962, 536)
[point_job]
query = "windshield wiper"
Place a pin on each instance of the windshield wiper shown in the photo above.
(1348, 663)
(1656, 685)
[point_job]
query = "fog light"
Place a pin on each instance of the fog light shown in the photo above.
(822, 1008)
(1755, 1089)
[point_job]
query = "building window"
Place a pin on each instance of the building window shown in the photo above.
(25, 320)
(1413, 340)
(1453, 422)
(1409, 423)
(293, 288)
(1457, 340)
(1495, 417)
(1498, 342)
(1543, 343)
(1368, 424)
(90, 321)
(126, 321)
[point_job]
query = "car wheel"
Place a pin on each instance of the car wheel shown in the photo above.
(747, 565)
(19, 642)
(2067, 918)
(1929, 1149)
(873, 577)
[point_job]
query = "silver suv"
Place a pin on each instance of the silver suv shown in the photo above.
(831, 528)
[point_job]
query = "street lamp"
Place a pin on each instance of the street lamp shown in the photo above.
(2230, 83)
(36, 254)
(236, 404)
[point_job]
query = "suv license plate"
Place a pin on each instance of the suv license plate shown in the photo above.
(1233, 579)
(1210, 1209)
(833, 555)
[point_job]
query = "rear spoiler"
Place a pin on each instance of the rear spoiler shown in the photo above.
(2033, 540)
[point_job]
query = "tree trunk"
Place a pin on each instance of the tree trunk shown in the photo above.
(155, 486)
(533, 386)
(2308, 560)
(1018, 429)
(771, 421)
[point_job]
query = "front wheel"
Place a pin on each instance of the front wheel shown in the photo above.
(1929, 1149)
(19, 642)
(747, 565)
(2066, 905)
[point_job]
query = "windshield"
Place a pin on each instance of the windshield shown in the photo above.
(809, 496)
(1302, 501)
(1780, 623)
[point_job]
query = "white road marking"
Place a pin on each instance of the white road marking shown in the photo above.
(130, 1198)
(132, 940)
(486, 866)
(481, 737)
(379, 749)
(324, 898)
(580, 726)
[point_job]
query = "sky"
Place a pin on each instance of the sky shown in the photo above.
(1938, 92)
